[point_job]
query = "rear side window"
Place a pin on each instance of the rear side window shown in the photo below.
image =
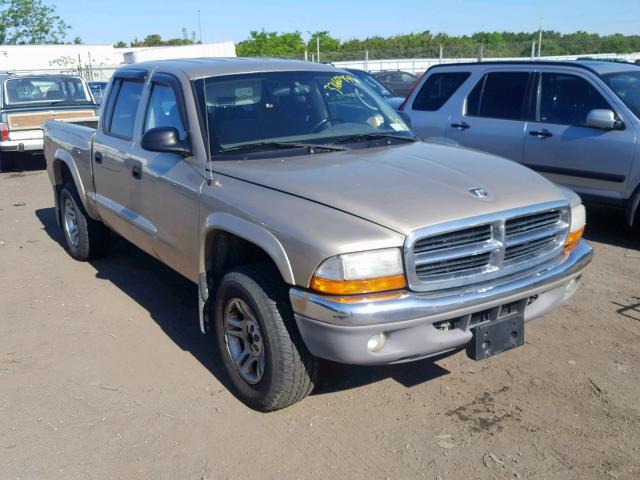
(567, 99)
(125, 107)
(499, 95)
(437, 89)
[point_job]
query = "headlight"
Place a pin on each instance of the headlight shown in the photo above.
(578, 222)
(357, 273)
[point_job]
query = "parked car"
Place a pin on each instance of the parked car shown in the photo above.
(313, 222)
(98, 90)
(575, 122)
(27, 101)
(398, 82)
(377, 87)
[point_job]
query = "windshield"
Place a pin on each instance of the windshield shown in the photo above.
(372, 83)
(627, 87)
(296, 107)
(50, 89)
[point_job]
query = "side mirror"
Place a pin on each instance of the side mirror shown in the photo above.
(166, 139)
(603, 119)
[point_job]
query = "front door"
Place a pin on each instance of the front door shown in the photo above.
(558, 144)
(166, 187)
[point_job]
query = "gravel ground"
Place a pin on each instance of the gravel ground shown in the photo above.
(104, 375)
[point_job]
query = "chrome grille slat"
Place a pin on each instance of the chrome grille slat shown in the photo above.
(451, 266)
(530, 247)
(526, 223)
(454, 239)
(457, 252)
(484, 248)
(531, 235)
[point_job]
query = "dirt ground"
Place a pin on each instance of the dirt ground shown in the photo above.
(104, 375)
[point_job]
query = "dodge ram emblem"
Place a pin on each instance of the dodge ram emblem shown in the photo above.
(479, 192)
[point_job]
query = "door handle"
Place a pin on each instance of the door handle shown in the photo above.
(136, 171)
(461, 125)
(98, 157)
(544, 133)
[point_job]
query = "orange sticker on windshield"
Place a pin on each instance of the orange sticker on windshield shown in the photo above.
(337, 82)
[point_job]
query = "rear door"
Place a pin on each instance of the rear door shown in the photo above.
(558, 143)
(430, 109)
(112, 148)
(493, 117)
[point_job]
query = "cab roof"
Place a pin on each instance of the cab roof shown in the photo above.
(599, 67)
(196, 68)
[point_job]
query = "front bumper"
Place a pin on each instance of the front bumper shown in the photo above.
(23, 145)
(338, 328)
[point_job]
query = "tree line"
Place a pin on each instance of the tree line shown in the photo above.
(32, 22)
(428, 44)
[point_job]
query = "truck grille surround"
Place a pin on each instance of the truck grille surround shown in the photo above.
(485, 248)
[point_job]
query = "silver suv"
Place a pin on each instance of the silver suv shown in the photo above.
(575, 122)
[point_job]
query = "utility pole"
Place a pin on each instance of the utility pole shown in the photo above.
(540, 38)
(318, 47)
(199, 26)
(533, 50)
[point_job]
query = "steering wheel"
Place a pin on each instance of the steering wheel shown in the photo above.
(364, 102)
(318, 126)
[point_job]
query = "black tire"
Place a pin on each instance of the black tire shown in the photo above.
(290, 371)
(93, 237)
(6, 162)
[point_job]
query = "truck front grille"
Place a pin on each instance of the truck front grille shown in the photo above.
(487, 247)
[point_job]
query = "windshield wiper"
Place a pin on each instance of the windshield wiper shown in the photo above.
(311, 147)
(374, 136)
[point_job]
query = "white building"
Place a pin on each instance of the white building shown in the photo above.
(97, 62)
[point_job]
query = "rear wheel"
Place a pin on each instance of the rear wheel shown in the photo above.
(267, 362)
(6, 162)
(85, 238)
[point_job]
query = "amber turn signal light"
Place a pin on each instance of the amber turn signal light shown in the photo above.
(354, 287)
(572, 240)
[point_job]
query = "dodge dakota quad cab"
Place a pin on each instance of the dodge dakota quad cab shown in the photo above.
(27, 101)
(314, 223)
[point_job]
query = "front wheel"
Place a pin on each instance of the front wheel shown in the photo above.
(267, 362)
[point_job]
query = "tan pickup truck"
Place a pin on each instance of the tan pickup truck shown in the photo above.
(313, 221)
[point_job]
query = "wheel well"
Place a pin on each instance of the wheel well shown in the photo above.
(61, 172)
(62, 176)
(225, 251)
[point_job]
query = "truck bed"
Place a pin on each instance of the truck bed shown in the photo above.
(72, 140)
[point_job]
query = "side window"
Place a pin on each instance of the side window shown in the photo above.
(499, 95)
(405, 77)
(567, 99)
(163, 109)
(125, 108)
(437, 89)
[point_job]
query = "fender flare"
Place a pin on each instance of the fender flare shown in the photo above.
(62, 156)
(259, 236)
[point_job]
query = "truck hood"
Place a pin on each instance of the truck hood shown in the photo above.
(402, 187)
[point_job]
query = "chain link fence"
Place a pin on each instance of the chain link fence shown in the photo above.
(417, 59)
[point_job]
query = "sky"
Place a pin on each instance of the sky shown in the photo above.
(108, 22)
